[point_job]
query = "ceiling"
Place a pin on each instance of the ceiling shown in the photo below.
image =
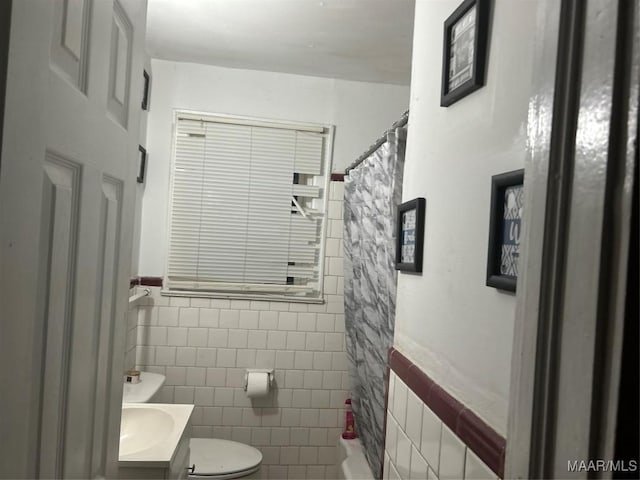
(363, 40)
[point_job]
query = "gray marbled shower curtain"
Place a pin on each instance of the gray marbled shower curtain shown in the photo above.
(373, 190)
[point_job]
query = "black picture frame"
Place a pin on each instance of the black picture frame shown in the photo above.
(145, 90)
(142, 165)
(505, 226)
(471, 78)
(417, 205)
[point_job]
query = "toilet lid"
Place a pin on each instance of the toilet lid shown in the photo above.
(213, 456)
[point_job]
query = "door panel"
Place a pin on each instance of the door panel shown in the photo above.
(67, 188)
(71, 35)
(59, 224)
(120, 64)
(110, 224)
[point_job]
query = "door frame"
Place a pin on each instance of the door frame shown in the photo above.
(5, 34)
(578, 184)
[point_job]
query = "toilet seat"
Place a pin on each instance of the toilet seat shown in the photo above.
(222, 459)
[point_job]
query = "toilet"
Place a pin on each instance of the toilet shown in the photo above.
(215, 458)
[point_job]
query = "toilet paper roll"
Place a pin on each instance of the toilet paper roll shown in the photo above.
(257, 384)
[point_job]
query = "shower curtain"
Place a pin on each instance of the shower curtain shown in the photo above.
(373, 190)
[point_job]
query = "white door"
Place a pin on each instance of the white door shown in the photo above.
(67, 187)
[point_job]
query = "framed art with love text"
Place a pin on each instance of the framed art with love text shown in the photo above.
(505, 228)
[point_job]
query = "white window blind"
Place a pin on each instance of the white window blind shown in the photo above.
(247, 208)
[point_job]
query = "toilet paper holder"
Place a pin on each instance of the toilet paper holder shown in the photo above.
(258, 370)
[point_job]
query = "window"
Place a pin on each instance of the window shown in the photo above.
(247, 207)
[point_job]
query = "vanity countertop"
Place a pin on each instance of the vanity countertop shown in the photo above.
(151, 432)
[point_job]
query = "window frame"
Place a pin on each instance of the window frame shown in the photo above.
(229, 292)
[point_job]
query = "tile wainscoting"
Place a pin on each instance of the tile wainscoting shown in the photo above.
(131, 320)
(203, 346)
(430, 435)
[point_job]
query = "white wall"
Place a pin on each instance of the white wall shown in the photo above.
(457, 329)
(140, 187)
(360, 111)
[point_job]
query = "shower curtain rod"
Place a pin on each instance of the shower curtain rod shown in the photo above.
(400, 123)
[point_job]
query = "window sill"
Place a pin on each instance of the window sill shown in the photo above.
(240, 296)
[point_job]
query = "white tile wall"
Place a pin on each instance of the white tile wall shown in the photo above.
(204, 345)
(452, 455)
(131, 320)
(475, 468)
(419, 446)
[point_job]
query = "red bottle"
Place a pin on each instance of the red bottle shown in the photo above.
(350, 423)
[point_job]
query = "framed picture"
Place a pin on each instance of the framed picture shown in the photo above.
(142, 165)
(464, 53)
(145, 91)
(410, 235)
(505, 226)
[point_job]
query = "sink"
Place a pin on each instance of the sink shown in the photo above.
(150, 433)
(142, 392)
(143, 428)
